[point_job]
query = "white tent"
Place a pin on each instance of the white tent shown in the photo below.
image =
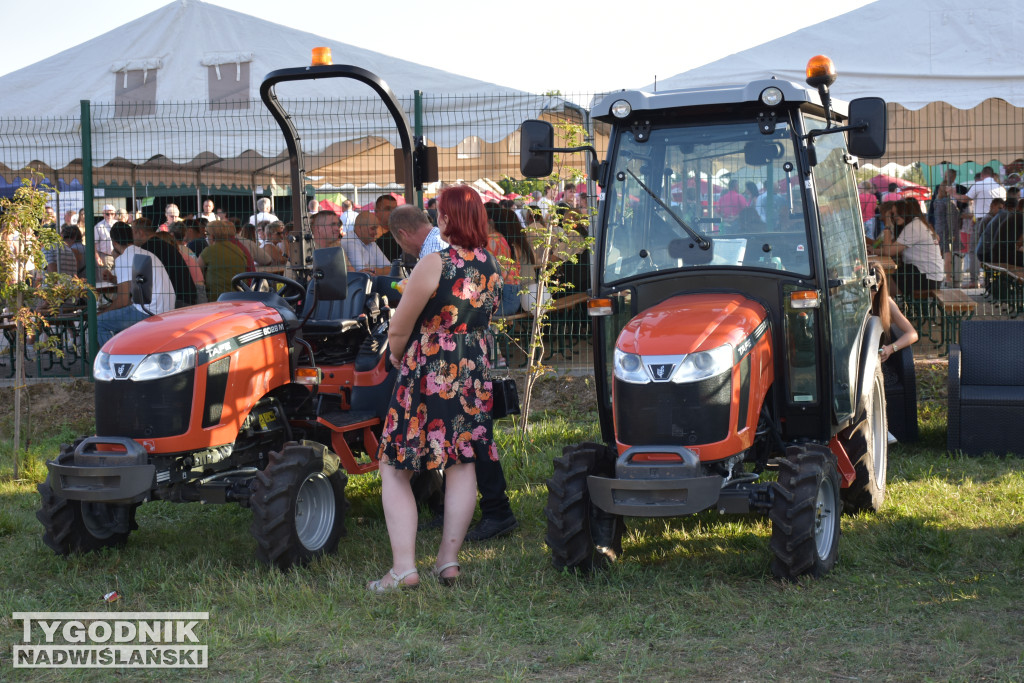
(199, 66)
(952, 68)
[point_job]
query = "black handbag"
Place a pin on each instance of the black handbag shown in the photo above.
(506, 397)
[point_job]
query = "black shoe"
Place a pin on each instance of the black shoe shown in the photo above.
(435, 522)
(489, 527)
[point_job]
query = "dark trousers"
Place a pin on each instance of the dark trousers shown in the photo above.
(490, 481)
(909, 280)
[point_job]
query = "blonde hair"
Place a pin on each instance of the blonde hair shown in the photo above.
(220, 230)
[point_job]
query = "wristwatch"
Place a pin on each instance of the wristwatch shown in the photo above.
(895, 347)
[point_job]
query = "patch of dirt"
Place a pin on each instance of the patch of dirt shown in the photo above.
(49, 405)
(561, 392)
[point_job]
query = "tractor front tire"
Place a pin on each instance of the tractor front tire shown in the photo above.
(581, 536)
(74, 526)
(868, 448)
(805, 513)
(298, 509)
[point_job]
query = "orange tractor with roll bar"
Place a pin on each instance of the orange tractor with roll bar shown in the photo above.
(732, 335)
(266, 397)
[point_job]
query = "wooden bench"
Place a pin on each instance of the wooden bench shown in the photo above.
(953, 306)
(563, 332)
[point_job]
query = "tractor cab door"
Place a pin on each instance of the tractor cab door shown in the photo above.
(845, 260)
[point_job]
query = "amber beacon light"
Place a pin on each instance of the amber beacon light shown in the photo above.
(322, 56)
(820, 71)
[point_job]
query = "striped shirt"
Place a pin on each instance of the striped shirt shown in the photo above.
(62, 255)
(433, 243)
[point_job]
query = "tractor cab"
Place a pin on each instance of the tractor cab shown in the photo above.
(731, 296)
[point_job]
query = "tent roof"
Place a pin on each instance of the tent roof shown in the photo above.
(185, 45)
(911, 52)
(181, 39)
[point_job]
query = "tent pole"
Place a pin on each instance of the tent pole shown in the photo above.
(90, 238)
(134, 198)
(199, 193)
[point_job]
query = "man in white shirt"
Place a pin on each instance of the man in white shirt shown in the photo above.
(263, 209)
(101, 237)
(348, 217)
(547, 202)
(984, 191)
(361, 247)
(208, 213)
(121, 313)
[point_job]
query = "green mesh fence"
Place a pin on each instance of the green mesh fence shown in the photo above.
(147, 157)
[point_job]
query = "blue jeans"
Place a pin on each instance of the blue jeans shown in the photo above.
(110, 323)
(509, 300)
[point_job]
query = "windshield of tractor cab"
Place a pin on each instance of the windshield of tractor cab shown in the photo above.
(705, 196)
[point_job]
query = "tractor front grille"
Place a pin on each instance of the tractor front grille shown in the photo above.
(679, 414)
(145, 410)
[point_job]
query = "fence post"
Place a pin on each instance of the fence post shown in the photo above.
(90, 238)
(417, 133)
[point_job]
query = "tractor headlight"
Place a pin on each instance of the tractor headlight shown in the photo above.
(621, 109)
(771, 96)
(629, 367)
(704, 364)
(165, 364)
(101, 369)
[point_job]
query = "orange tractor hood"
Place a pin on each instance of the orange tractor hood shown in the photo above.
(199, 326)
(691, 322)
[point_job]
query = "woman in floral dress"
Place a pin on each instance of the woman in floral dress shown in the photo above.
(440, 412)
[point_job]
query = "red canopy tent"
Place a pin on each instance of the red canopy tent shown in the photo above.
(328, 205)
(908, 189)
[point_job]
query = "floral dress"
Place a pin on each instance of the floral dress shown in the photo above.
(440, 411)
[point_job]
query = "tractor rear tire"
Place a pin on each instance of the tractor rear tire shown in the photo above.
(805, 514)
(298, 509)
(868, 448)
(75, 526)
(582, 537)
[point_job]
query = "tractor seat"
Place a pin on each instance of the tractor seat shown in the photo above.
(336, 316)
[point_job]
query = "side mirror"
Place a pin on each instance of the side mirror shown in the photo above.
(536, 135)
(869, 141)
(329, 274)
(142, 280)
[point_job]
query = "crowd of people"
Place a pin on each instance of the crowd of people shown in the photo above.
(982, 223)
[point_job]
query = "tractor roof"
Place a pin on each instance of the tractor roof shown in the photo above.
(696, 97)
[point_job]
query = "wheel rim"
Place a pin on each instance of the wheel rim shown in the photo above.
(100, 519)
(314, 511)
(824, 514)
(880, 436)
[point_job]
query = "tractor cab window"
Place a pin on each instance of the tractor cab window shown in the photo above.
(721, 195)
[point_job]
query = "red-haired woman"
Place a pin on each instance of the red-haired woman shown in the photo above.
(440, 412)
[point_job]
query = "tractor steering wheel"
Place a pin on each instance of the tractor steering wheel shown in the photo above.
(292, 291)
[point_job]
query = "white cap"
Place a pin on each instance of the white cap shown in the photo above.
(109, 207)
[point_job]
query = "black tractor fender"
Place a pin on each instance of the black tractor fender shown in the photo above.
(870, 341)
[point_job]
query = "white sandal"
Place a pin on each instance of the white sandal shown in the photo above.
(378, 587)
(447, 580)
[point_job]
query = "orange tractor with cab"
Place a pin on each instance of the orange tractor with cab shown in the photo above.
(732, 334)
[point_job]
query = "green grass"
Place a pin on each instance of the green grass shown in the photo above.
(928, 589)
